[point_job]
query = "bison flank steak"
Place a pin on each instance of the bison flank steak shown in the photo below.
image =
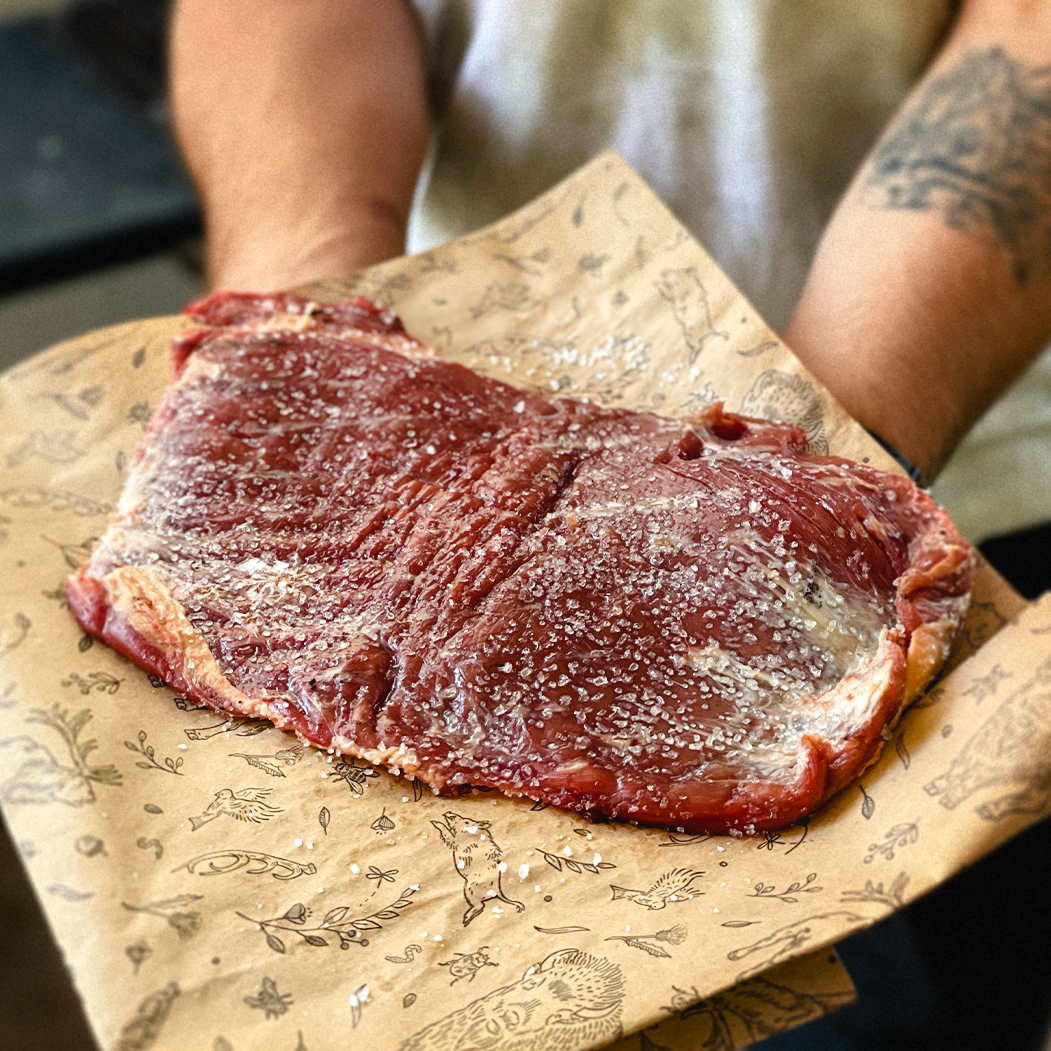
(694, 624)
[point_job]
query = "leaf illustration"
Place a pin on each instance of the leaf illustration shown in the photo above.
(334, 915)
(739, 923)
(760, 348)
(324, 817)
(60, 890)
(653, 950)
(314, 939)
(387, 914)
(85, 643)
(366, 925)
(176, 903)
(275, 943)
(903, 752)
(868, 806)
(554, 862)
(262, 764)
(297, 913)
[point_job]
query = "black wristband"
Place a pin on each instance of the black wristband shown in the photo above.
(910, 468)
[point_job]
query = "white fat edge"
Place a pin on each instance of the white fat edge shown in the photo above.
(130, 590)
(837, 622)
(198, 367)
(297, 323)
(834, 716)
(396, 758)
(841, 711)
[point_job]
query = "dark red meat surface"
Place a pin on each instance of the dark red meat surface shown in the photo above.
(689, 623)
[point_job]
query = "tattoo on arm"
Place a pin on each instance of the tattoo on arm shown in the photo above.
(976, 149)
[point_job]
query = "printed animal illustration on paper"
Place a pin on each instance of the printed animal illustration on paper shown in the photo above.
(786, 398)
(1007, 753)
(142, 1030)
(751, 1010)
(688, 297)
(570, 999)
(477, 858)
(514, 297)
(249, 804)
(272, 762)
(38, 776)
(790, 940)
(676, 885)
(467, 964)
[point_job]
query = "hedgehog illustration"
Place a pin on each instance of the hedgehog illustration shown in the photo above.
(784, 398)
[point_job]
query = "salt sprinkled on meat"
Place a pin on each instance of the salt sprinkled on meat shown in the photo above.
(695, 624)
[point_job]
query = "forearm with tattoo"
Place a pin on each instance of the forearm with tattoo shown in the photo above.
(931, 289)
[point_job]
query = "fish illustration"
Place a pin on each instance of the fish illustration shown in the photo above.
(247, 805)
(673, 886)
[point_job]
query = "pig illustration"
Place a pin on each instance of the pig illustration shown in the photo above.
(788, 941)
(1007, 752)
(570, 999)
(477, 858)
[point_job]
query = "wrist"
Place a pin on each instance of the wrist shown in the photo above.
(271, 256)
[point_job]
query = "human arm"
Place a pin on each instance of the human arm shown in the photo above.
(304, 127)
(931, 289)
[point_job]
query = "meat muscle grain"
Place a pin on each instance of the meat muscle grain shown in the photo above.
(695, 624)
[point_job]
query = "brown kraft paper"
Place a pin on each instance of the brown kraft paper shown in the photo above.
(213, 884)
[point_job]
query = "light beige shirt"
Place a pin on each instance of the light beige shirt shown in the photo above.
(748, 117)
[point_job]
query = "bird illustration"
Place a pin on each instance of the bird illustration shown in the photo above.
(247, 805)
(673, 886)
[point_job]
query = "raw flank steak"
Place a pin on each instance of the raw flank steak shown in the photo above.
(694, 624)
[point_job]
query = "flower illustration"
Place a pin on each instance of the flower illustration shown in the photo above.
(268, 999)
(186, 924)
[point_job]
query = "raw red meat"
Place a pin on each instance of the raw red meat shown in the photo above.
(688, 623)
